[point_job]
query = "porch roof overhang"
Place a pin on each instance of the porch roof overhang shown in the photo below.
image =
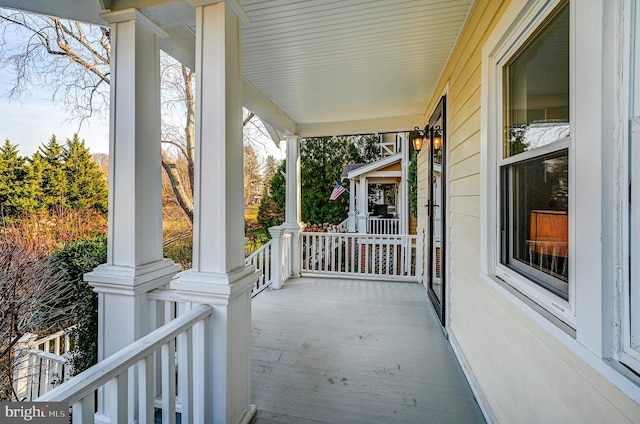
(313, 67)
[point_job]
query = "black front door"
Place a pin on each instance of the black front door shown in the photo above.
(436, 210)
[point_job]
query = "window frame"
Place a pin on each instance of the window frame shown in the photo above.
(630, 331)
(519, 36)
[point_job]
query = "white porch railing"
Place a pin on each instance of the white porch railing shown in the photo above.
(383, 226)
(151, 362)
(343, 227)
(261, 260)
(40, 364)
(389, 257)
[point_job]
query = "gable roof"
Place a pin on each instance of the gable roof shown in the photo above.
(370, 167)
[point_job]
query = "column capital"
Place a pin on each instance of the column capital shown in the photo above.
(233, 5)
(133, 14)
(277, 231)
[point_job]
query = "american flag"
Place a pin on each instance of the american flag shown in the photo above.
(337, 191)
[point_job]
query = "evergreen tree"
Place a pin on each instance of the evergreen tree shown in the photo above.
(252, 177)
(270, 168)
(12, 175)
(322, 161)
(54, 180)
(30, 197)
(271, 210)
(86, 187)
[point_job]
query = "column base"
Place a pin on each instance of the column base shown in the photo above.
(295, 228)
(228, 350)
(118, 279)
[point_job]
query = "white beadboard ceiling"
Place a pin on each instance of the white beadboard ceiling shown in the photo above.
(323, 63)
(344, 60)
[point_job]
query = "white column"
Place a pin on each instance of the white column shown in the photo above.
(135, 264)
(293, 193)
(351, 224)
(219, 276)
(403, 205)
(363, 206)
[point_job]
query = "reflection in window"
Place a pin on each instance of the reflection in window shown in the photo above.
(537, 89)
(535, 220)
(535, 183)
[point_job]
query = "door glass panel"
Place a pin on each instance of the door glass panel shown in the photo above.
(436, 149)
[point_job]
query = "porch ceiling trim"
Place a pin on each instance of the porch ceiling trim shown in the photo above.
(362, 126)
(258, 103)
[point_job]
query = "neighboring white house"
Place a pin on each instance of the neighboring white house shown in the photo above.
(378, 195)
(544, 318)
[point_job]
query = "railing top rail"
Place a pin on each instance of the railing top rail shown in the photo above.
(359, 235)
(53, 336)
(89, 380)
(164, 294)
(257, 252)
(47, 355)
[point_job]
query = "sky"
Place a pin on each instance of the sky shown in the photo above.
(31, 121)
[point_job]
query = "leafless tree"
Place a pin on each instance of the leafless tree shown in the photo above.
(74, 60)
(67, 56)
(34, 298)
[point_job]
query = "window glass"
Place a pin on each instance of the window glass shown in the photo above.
(535, 220)
(537, 89)
(535, 183)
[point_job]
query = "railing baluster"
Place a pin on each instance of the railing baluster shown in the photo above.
(168, 382)
(199, 354)
(340, 254)
(146, 389)
(118, 393)
(185, 374)
(84, 410)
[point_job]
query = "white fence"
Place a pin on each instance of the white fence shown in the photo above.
(40, 364)
(389, 257)
(383, 226)
(148, 364)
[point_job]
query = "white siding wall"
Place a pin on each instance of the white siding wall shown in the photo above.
(525, 368)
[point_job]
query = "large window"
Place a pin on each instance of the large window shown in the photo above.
(534, 159)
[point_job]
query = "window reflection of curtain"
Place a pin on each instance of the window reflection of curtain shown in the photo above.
(549, 232)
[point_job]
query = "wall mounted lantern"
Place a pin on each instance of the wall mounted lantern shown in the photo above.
(433, 133)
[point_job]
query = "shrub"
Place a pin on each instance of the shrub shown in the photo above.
(75, 259)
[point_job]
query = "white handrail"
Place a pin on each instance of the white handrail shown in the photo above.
(39, 364)
(113, 372)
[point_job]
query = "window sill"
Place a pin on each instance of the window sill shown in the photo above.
(532, 306)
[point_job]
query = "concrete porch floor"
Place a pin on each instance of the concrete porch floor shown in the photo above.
(354, 351)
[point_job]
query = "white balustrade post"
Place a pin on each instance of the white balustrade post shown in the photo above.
(351, 223)
(135, 263)
(292, 202)
(219, 276)
(363, 207)
(277, 256)
(420, 254)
